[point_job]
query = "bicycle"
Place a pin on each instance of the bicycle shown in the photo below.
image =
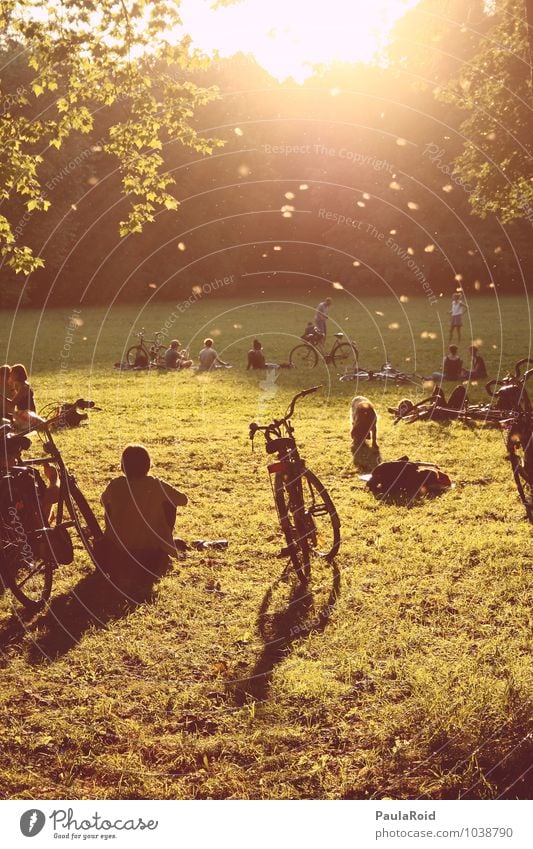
(307, 515)
(141, 356)
(387, 374)
(35, 519)
(307, 353)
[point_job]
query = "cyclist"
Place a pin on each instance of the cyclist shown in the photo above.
(140, 511)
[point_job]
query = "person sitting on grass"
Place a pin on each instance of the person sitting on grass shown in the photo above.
(176, 357)
(20, 398)
(208, 357)
(140, 511)
(452, 366)
(256, 358)
(478, 370)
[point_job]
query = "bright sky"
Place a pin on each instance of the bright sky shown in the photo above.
(287, 37)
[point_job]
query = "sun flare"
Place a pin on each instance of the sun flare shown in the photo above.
(289, 37)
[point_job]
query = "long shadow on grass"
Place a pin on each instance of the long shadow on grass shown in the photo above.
(280, 630)
(93, 603)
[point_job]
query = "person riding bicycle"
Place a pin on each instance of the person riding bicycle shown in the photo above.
(312, 334)
(140, 511)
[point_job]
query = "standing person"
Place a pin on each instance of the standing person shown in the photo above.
(457, 311)
(321, 316)
(208, 357)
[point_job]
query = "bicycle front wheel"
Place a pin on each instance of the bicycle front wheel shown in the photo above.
(291, 511)
(345, 356)
(138, 356)
(25, 573)
(85, 521)
(521, 458)
(322, 519)
(303, 356)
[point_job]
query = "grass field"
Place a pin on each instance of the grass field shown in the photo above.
(409, 676)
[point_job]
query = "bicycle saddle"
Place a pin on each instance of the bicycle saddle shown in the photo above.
(339, 335)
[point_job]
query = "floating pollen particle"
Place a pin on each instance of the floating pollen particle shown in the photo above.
(401, 142)
(238, 131)
(337, 285)
(290, 195)
(404, 299)
(413, 205)
(429, 249)
(394, 325)
(182, 246)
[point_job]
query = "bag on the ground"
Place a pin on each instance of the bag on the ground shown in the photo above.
(407, 477)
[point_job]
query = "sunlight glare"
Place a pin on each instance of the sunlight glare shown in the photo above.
(289, 38)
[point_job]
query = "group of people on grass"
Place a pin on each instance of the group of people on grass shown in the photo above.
(176, 357)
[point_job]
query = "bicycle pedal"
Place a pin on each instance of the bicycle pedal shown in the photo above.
(285, 552)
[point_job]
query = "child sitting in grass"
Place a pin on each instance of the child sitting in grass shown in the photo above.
(140, 511)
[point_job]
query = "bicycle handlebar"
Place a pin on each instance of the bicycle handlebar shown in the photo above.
(519, 364)
(254, 427)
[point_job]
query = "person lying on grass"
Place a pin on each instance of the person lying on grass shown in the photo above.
(140, 511)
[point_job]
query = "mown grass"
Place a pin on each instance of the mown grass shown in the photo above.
(406, 675)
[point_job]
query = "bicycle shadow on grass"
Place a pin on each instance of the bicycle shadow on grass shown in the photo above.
(280, 630)
(93, 603)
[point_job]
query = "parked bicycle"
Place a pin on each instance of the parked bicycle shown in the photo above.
(387, 374)
(35, 519)
(307, 515)
(342, 354)
(146, 352)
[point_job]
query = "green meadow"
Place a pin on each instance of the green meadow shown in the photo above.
(403, 673)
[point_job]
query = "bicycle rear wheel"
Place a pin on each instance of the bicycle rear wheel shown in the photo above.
(520, 447)
(25, 559)
(323, 534)
(303, 356)
(138, 356)
(345, 356)
(291, 512)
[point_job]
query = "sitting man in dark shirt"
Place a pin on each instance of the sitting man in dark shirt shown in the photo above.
(174, 358)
